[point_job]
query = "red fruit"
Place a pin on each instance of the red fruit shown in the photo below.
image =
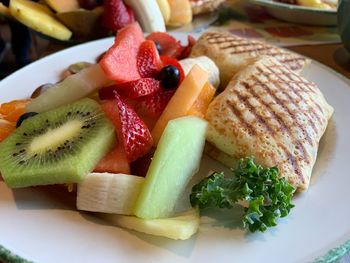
(139, 88)
(130, 129)
(169, 45)
(174, 62)
(141, 165)
(154, 104)
(131, 90)
(187, 50)
(107, 93)
(115, 15)
(148, 61)
(120, 61)
(114, 162)
(150, 107)
(131, 13)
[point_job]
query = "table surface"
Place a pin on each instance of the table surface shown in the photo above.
(333, 55)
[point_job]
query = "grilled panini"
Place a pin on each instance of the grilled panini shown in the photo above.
(270, 112)
(231, 53)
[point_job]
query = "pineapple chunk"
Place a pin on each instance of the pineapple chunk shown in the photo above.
(39, 18)
(4, 11)
(182, 226)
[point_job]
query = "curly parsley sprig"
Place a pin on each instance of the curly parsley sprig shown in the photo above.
(268, 195)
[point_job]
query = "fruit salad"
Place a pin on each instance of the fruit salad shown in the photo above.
(88, 19)
(118, 129)
(130, 132)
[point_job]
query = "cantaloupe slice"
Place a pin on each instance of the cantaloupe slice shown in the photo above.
(63, 5)
(6, 128)
(180, 12)
(182, 101)
(200, 106)
(39, 18)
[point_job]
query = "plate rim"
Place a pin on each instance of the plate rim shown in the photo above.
(270, 3)
(335, 253)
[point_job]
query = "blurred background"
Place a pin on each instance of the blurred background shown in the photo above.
(30, 30)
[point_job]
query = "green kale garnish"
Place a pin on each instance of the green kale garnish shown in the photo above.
(267, 194)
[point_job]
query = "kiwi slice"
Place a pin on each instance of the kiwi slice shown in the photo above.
(58, 146)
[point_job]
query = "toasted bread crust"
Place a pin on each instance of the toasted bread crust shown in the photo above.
(232, 53)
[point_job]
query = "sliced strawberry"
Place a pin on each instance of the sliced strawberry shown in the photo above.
(120, 61)
(169, 46)
(174, 62)
(132, 89)
(139, 88)
(154, 104)
(187, 50)
(116, 15)
(150, 107)
(114, 162)
(130, 129)
(148, 61)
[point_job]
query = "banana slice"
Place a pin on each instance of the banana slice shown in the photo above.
(109, 193)
(148, 14)
(205, 63)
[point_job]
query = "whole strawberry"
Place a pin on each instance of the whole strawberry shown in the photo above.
(116, 15)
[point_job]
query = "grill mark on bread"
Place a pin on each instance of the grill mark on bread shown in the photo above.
(237, 43)
(280, 119)
(283, 105)
(260, 119)
(306, 85)
(295, 91)
(239, 115)
(253, 49)
(295, 165)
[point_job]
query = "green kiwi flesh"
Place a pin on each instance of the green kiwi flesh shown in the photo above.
(57, 146)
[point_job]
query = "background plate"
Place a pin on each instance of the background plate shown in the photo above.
(299, 14)
(41, 223)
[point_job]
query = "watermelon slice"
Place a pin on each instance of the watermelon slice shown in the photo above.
(120, 61)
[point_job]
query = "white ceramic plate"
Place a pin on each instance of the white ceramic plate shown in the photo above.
(43, 226)
(299, 14)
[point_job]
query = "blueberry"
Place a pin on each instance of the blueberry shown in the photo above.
(169, 77)
(25, 116)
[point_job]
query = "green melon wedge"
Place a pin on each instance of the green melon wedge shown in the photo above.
(176, 159)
